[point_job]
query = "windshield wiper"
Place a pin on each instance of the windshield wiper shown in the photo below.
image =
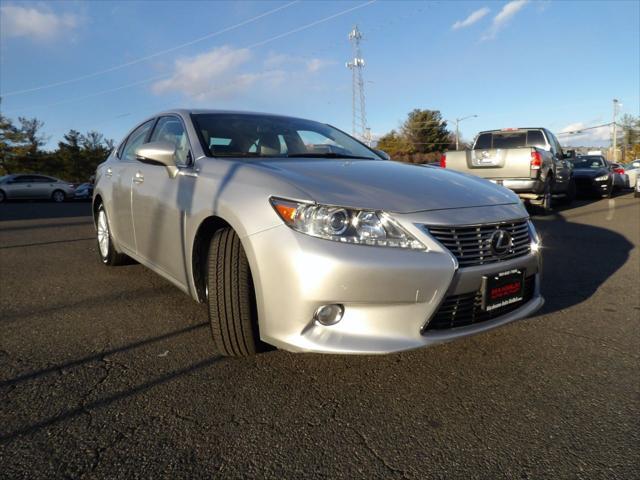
(327, 155)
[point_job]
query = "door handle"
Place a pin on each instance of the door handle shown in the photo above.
(138, 178)
(109, 172)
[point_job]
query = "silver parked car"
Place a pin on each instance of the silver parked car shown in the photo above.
(34, 187)
(297, 235)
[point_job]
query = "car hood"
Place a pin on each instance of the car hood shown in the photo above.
(387, 185)
(590, 172)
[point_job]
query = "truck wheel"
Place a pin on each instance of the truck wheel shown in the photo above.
(570, 194)
(546, 205)
(231, 298)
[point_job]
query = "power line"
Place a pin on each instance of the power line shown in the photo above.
(258, 44)
(153, 55)
(581, 130)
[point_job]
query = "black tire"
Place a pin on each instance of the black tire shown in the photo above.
(546, 205)
(109, 256)
(232, 309)
(3, 196)
(570, 194)
(58, 196)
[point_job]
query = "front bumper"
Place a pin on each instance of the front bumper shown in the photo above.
(590, 185)
(388, 294)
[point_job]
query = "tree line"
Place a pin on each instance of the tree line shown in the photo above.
(419, 139)
(75, 159)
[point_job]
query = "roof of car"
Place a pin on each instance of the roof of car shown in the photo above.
(198, 111)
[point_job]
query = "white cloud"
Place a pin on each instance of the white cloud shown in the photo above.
(471, 19)
(596, 136)
(503, 17)
(18, 21)
(224, 72)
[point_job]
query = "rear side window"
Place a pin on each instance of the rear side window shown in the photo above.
(509, 139)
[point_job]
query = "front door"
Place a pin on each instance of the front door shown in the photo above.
(160, 202)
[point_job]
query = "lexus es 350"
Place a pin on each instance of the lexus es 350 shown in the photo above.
(299, 236)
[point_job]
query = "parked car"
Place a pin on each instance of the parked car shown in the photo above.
(84, 191)
(633, 172)
(636, 192)
(28, 186)
(335, 251)
(593, 175)
(529, 161)
(620, 178)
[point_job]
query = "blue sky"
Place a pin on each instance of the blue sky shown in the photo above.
(552, 64)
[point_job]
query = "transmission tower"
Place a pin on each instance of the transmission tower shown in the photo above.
(359, 126)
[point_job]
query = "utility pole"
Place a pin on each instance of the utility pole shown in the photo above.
(614, 140)
(358, 108)
(458, 120)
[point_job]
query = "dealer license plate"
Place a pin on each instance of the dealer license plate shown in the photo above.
(502, 289)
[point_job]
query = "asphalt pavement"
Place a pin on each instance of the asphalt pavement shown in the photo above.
(111, 373)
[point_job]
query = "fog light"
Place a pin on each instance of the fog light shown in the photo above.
(329, 314)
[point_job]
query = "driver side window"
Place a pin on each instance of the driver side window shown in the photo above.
(137, 138)
(170, 130)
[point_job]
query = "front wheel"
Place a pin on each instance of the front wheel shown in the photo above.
(231, 298)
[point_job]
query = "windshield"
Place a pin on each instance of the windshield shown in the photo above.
(588, 162)
(264, 136)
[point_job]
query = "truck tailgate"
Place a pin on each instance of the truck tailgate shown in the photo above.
(493, 163)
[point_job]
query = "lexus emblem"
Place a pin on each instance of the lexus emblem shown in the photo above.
(500, 242)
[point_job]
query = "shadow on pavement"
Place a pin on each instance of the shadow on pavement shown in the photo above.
(578, 259)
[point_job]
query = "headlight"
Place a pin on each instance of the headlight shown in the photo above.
(536, 243)
(346, 225)
(603, 178)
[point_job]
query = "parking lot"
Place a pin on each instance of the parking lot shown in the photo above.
(111, 372)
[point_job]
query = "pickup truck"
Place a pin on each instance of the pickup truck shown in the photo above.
(529, 161)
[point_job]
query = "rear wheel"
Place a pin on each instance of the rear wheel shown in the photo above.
(546, 203)
(231, 298)
(108, 254)
(570, 194)
(58, 196)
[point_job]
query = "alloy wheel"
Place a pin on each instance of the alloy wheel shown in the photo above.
(103, 234)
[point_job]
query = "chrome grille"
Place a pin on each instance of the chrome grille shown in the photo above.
(471, 245)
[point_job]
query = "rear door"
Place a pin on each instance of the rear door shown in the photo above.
(159, 202)
(121, 173)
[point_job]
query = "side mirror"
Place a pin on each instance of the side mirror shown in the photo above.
(159, 153)
(383, 154)
(569, 154)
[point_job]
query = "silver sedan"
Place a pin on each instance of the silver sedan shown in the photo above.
(34, 187)
(299, 236)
